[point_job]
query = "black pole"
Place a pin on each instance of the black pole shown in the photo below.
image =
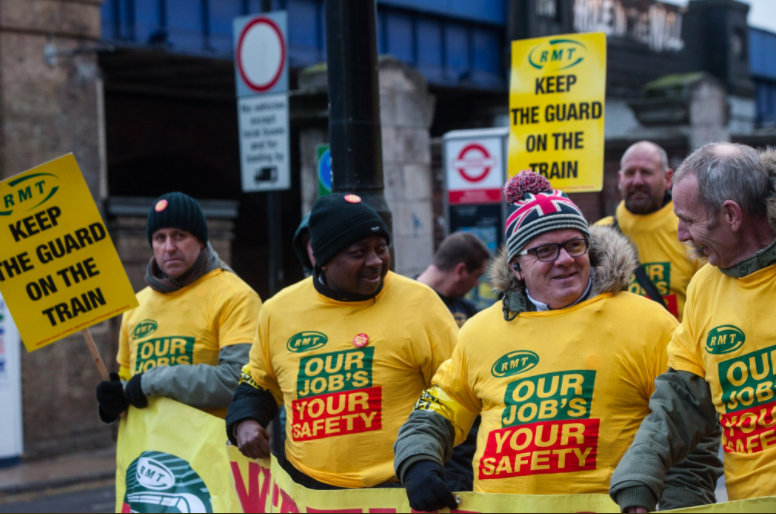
(354, 102)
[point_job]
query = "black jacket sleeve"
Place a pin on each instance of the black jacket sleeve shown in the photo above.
(250, 403)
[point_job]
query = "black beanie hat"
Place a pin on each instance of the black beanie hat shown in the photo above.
(177, 210)
(337, 221)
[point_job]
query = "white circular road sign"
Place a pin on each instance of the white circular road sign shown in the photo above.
(261, 54)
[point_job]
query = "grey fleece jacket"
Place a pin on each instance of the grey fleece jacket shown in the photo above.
(201, 386)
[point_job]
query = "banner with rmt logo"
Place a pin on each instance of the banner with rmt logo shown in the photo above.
(59, 270)
(174, 458)
(557, 93)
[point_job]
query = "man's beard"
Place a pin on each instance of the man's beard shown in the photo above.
(696, 251)
(645, 206)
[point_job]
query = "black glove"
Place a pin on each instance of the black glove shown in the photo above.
(111, 398)
(135, 394)
(426, 487)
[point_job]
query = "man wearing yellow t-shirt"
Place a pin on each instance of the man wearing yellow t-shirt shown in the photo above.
(193, 329)
(347, 351)
(647, 218)
(723, 356)
(561, 372)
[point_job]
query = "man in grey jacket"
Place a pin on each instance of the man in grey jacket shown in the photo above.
(722, 357)
(194, 327)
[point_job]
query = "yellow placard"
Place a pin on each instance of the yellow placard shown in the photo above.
(557, 98)
(59, 270)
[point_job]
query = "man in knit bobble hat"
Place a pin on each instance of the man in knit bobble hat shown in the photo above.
(192, 332)
(561, 372)
(353, 345)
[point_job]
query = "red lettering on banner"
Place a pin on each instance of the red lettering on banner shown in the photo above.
(255, 498)
(288, 504)
(335, 414)
(751, 430)
(359, 511)
(125, 509)
(541, 448)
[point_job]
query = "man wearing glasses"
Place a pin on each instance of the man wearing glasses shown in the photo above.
(561, 372)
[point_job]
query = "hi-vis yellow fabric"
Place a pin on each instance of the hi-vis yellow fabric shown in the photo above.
(59, 270)
(349, 373)
(666, 261)
(557, 93)
(189, 326)
(729, 338)
(174, 458)
(562, 393)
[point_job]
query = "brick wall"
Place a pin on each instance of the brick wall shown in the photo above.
(47, 111)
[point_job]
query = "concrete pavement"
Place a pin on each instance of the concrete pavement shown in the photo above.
(69, 470)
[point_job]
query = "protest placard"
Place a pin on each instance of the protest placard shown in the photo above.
(557, 94)
(59, 270)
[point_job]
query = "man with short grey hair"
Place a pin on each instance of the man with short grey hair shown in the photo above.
(723, 356)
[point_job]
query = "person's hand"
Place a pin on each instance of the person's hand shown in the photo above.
(426, 490)
(134, 391)
(111, 398)
(639, 510)
(252, 439)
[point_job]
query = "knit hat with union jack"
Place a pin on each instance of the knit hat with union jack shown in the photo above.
(537, 209)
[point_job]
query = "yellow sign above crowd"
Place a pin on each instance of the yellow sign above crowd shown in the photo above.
(59, 270)
(557, 94)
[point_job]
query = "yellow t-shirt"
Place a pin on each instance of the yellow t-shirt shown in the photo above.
(349, 373)
(664, 258)
(562, 393)
(729, 338)
(189, 326)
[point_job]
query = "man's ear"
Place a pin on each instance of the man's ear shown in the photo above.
(517, 270)
(733, 215)
(459, 270)
(669, 176)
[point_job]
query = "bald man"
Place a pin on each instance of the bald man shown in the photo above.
(646, 216)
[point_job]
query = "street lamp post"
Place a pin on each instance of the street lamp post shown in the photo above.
(354, 102)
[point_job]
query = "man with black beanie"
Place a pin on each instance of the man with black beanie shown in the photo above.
(192, 331)
(347, 351)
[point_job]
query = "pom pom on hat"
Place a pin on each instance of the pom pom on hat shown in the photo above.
(525, 182)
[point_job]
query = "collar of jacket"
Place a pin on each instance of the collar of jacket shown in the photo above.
(612, 257)
(338, 296)
(762, 259)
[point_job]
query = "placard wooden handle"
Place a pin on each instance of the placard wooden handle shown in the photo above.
(96, 354)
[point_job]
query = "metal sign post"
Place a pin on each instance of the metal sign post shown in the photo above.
(261, 73)
(475, 172)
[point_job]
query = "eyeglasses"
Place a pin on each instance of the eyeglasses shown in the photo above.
(550, 252)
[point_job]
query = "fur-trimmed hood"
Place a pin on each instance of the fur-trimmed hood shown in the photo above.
(612, 257)
(768, 158)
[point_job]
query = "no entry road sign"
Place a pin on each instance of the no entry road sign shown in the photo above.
(261, 71)
(261, 54)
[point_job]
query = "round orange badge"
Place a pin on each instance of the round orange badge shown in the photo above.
(361, 340)
(353, 198)
(161, 205)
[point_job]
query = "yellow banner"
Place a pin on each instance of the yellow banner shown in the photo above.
(172, 458)
(59, 270)
(557, 95)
